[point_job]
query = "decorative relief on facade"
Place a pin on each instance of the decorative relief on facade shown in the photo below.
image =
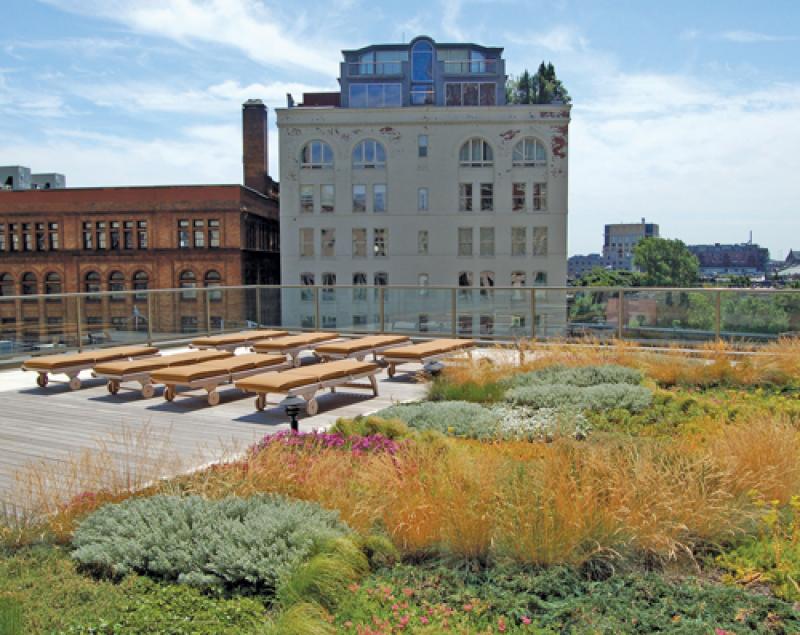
(508, 135)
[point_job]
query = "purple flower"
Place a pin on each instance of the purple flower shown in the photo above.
(357, 444)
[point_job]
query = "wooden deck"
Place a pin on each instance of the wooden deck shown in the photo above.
(56, 423)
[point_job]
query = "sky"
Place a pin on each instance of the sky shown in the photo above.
(685, 113)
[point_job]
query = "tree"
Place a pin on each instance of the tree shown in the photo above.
(665, 263)
(543, 87)
(600, 277)
(524, 88)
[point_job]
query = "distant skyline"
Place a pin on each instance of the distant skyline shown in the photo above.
(685, 113)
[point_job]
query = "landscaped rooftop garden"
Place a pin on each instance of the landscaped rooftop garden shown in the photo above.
(585, 490)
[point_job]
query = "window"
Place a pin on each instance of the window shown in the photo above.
(2, 237)
(213, 279)
(381, 279)
(539, 277)
(359, 198)
(423, 280)
(487, 284)
(539, 197)
(470, 93)
(422, 145)
(91, 284)
(327, 198)
(306, 242)
(539, 241)
(380, 63)
(465, 197)
(376, 95)
(359, 280)
(475, 153)
(27, 237)
(422, 199)
(359, 242)
(328, 284)
(12, 228)
(213, 233)
(183, 234)
(329, 321)
(52, 283)
(517, 282)
(116, 283)
(380, 240)
(422, 242)
(100, 235)
(127, 234)
(379, 198)
(465, 241)
(29, 284)
(327, 241)
(422, 322)
(307, 280)
(465, 281)
(53, 231)
(316, 155)
(487, 242)
(115, 238)
(465, 322)
(307, 199)
(518, 197)
(529, 152)
(140, 283)
(199, 233)
(6, 285)
(422, 74)
(41, 244)
(369, 154)
(187, 280)
(519, 241)
(188, 324)
(487, 197)
(142, 230)
(486, 325)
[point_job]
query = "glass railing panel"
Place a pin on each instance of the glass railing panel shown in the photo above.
(232, 309)
(551, 320)
(491, 313)
(753, 316)
(268, 307)
(177, 315)
(418, 310)
(663, 317)
(298, 308)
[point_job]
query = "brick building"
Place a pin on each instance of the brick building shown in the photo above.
(136, 238)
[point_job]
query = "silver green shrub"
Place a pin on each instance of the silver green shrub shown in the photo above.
(583, 376)
(523, 423)
(459, 418)
(236, 542)
(599, 397)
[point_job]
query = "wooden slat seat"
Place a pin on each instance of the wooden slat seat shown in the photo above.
(366, 344)
(53, 363)
(426, 349)
(186, 374)
(122, 368)
(232, 339)
(292, 341)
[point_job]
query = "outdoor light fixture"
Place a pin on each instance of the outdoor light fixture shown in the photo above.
(292, 405)
(434, 367)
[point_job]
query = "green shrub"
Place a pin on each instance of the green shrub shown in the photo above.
(458, 418)
(599, 397)
(583, 376)
(306, 618)
(442, 388)
(366, 426)
(249, 543)
(10, 617)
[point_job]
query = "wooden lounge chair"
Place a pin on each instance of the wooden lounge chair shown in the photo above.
(232, 341)
(293, 345)
(140, 370)
(210, 375)
(360, 347)
(307, 381)
(71, 364)
(425, 352)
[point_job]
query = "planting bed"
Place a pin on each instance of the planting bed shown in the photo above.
(593, 490)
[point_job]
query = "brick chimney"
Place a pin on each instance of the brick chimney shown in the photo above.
(254, 145)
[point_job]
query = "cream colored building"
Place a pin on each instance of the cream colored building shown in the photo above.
(423, 195)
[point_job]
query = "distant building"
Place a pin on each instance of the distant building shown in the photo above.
(579, 264)
(792, 258)
(18, 177)
(621, 238)
(739, 259)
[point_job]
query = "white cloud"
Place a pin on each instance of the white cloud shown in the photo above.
(559, 39)
(753, 37)
(246, 25)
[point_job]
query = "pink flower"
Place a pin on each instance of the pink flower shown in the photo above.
(424, 620)
(525, 620)
(501, 625)
(468, 607)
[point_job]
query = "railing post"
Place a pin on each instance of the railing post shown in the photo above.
(381, 310)
(453, 309)
(621, 315)
(258, 306)
(79, 329)
(533, 313)
(316, 309)
(208, 312)
(718, 321)
(149, 318)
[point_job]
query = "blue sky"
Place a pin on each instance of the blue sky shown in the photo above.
(686, 113)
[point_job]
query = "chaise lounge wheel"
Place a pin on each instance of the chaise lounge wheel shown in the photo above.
(312, 407)
(169, 393)
(74, 383)
(42, 381)
(261, 402)
(296, 362)
(213, 398)
(112, 386)
(390, 371)
(148, 390)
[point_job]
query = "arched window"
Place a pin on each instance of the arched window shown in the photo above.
(422, 74)
(476, 153)
(187, 280)
(517, 282)
(465, 281)
(116, 283)
(91, 284)
(52, 283)
(359, 286)
(29, 283)
(140, 283)
(6, 285)
(316, 155)
(213, 279)
(328, 284)
(529, 152)
(369, 154)
(487, 284)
